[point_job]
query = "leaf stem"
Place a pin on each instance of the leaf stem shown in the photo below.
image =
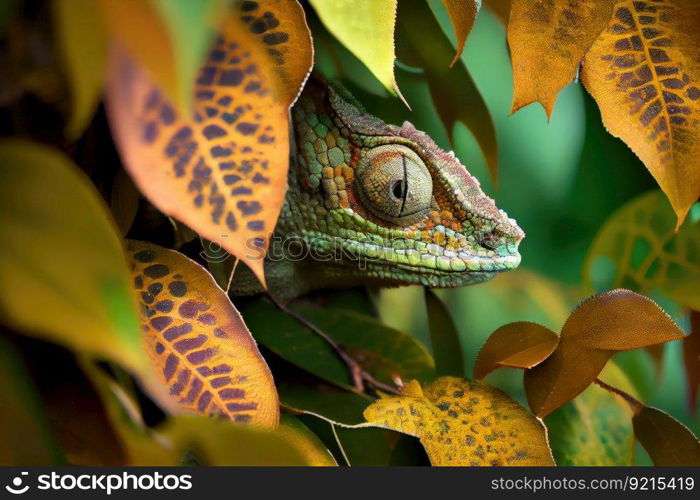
(357, 373)
(634, 403)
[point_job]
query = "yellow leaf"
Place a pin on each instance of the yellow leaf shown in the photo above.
(644, 73)
(222, 171)
(548, 39)
(63, 273)
(83, 46)
(602, 325)
(668, 442)
(198, 342)
(462, 16)
(366, 28)
(517, 345)
(464, 423)
(294, 432)
(638, 248)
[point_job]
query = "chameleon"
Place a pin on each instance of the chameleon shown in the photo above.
(370, 203)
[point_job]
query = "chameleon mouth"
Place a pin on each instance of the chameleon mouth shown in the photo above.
(471, 265)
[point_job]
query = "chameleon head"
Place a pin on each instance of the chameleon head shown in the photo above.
(401, 209)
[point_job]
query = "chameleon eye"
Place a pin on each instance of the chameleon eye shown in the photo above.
(395, 184)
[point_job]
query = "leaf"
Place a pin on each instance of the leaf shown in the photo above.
(644, 73)
(619, 320)
(564, 30)
(63, 274)
(83, 47)
(464, 423)
(638, 248)
(462, 16)
(213, 442)
(198, 342)
(595, 428)
(296, 433)
(191, 27)
(124, 202)
(24, 430)
(516, 345)
(137, 26)
(666, 440)
(444, 337)
(363, 447)
(691, 358)
(382, 351)
(367, 30)
(455, 94)
(222, 171)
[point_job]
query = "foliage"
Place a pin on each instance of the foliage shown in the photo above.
(148, 170)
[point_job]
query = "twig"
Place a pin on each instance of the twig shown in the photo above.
(631, 400)
(359, 376)
(230, 278)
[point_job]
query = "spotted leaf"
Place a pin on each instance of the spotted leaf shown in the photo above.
(563, 30)
(222, 170)
(638, 248)
(198, 341)
(644, 72)
(464, 423)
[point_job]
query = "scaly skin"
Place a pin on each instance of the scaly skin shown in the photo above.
(348, 218)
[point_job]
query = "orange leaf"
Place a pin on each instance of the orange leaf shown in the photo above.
(666, 440)
(135, 24)
(197, 341)
(462, 16)
(517, 345)
(222, 171)
(644, 73)
(548, 40)
(691, 357)
(619, 320)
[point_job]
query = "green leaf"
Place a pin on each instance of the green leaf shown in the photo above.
(366, 28)
(83, 46)
(595, 428)
(24, 429)
(63, 273)
(422, 43)
(444, 337)
(295, 432)
(363, 447)
(638, 248)
(382, 351)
